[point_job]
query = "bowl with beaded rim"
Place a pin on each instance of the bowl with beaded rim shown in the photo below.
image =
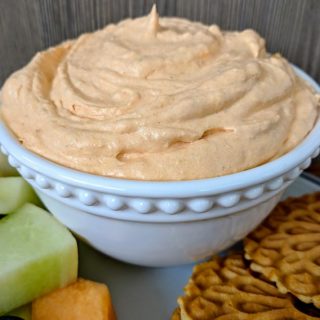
(161, 223)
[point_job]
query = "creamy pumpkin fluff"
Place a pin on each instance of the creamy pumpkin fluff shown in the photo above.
(159, 99)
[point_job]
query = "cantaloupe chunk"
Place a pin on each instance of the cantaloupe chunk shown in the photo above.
(82, 300)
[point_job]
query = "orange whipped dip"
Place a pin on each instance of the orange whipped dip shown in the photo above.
(159, 99)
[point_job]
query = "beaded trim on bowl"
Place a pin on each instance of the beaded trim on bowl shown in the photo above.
(113, 202)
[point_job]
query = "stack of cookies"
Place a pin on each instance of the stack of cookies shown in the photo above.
(276, 277)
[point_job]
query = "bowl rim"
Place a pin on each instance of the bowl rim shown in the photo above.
(170, 189)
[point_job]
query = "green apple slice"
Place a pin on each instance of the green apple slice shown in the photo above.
(37, 256)
(15, 192)
(22, 312)
(5, 169)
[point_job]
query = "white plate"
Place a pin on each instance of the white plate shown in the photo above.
(148, 293)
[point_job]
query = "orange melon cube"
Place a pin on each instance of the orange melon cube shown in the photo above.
(82, 300)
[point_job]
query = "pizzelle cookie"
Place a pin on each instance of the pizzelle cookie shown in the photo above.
(286, 248)
(225, 289)
(176, 314)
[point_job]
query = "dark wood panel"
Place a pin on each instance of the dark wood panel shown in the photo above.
(20, 29)
(27, 26)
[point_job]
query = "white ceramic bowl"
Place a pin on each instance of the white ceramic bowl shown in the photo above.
(161, 223)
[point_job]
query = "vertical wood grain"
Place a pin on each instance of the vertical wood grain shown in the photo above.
(19, 34)
(291, 27)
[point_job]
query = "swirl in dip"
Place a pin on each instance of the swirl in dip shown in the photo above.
(159, 99)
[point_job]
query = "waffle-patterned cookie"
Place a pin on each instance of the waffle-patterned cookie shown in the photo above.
(225, 289)
(286, 248)
(176, 314)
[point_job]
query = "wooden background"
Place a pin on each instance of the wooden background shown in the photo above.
(291, 27)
